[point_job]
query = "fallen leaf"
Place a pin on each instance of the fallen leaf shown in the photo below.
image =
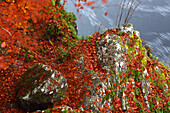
(1, 58)
(9, 50)
(90, 3)
(3, 44)
(3, 66)
(105, 13)
(104, 1)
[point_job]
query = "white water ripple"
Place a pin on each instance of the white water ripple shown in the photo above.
(163, 10)
(91, 16)
(161, 46)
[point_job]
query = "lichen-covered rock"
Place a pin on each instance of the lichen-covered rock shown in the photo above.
(111, 52)
(39, 88)
(90, 103)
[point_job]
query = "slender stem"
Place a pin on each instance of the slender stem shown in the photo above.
(100, 26)
(6, 30)
(129, 12)
(118, 13)
(134, 10)
(127, 5)
(122, 11)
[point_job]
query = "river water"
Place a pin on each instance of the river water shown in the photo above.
(151, 19)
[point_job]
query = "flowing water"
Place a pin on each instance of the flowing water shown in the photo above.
(151, 18)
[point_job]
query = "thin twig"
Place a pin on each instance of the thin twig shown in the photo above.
(118, 14)
(125, 22)
(122, 11)
(134, 10)
(127, 6)
(6, 30)
(100, 26)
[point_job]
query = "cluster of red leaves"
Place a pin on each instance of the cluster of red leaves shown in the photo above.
(79, 6)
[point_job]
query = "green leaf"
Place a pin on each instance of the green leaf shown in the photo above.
(65, 111)
(137, 90)
(53, 2)
(31, 56)
(156, 58)
(51, 42)
(23, 50)
(29, 51)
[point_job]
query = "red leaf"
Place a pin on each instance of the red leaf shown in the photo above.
(3, 44)
(79, 16)
(75, 5)
(92, 7)
(90, 3)
(61, 8)
(81, 7)
(101, 109)
(79, 4)
(1, 58)
(34, 19)
(104, 1)
(9, 50)
(105, 13)
(77, 10)
(108, 91)
(98, 87)
(3, 66)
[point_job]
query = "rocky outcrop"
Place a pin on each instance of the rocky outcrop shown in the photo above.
(39, 88)
(111, 52)
(89, 103)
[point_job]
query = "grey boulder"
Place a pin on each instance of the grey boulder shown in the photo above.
(39, 88)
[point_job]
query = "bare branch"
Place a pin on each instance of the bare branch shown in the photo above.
(122, 11)
(125, 22)
(6, 30)
(118, 14)
(134, 10)
(100, 27)
(127, 8)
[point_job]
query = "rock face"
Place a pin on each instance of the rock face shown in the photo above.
(89, 103)
(110, 52)
(39, 88)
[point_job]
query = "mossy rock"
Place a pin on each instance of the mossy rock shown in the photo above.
(39, 88)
